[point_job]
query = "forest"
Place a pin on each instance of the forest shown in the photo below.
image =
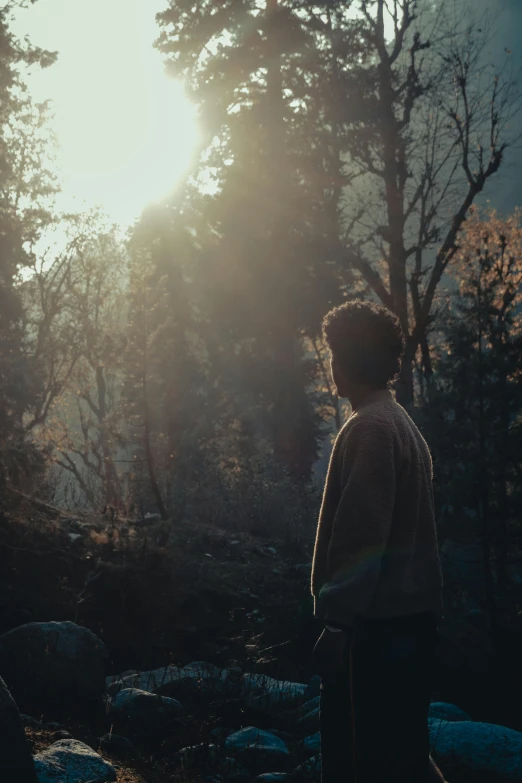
(166, 405)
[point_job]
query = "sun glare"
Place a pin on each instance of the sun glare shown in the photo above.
(126, 151)
(126, 132)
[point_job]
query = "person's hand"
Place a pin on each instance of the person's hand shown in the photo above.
(329, 651)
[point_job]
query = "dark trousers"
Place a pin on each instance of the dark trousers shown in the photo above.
(374, 714)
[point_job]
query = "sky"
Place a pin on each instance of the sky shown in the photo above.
(126, 132)
(505, 190)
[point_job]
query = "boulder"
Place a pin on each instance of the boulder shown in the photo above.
(114, 682)
(144, 713)
(115, 745)
(70, 761)
(286, 736)
(265, 693)
(258, 750)
(212, 760)
(16, 763)
(306, 717)
(309, 771)
(312, 745)
(445, 711)
(272, 777)
(61, 734)
(477, 751)
(53, 662)
(219, 734)
(196, 681)
(205, 669)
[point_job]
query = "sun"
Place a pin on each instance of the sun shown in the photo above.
(126, 150)
(126, 133)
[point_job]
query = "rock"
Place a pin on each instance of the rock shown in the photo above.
(220, 734)
(313, 689)
(258, 750)
(70, 761)
(476, 750)
(263, 692)
(53, 662)
(27, 720)
(16, 763)
(284, 735)
(272, 550)
(312, 744)
(197, 680)
(205, 669)
(61, 734)
(272, 777)
(210, 758)
(144, 713)
(310, 770)
(444, 711)
(116, 745)
(306, 708)
(113, 683)
(305, 718)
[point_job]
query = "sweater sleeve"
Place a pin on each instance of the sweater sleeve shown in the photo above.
(361, 524)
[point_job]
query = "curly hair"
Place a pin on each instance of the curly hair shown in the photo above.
(366, 341)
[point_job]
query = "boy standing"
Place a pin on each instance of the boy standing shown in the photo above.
(376, 576)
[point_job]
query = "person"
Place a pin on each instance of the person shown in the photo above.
(376, 574)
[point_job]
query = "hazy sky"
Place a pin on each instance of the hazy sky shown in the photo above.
(126, 132)
(505, 191)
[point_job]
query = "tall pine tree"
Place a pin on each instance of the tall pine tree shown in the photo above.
(20, 219)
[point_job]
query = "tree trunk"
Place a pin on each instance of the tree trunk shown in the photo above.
(149, 456)
(404, 384)
(483, 489)
(110, 478)
(503, 498)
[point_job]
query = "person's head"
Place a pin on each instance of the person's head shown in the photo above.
(366, 344)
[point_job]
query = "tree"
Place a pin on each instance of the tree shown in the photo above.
(404, 123)
(431, 127)
(78, 325)
(477, 419)
(164, 373)
(267, 270)
(21, 185)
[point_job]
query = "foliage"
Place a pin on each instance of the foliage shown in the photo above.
(75, 320)
(370, 127)
(269, 261)
(476, 414)
(23, 185)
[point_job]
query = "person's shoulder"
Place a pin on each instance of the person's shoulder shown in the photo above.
(372, 423)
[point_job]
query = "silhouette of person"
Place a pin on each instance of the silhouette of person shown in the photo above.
(376, 576)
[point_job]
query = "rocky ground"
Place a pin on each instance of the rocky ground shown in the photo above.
(200, 722)
(206, 643)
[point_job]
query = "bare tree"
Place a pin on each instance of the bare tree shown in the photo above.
(77, 333)
(431, 128)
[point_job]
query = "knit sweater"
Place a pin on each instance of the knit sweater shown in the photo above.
(376, 552)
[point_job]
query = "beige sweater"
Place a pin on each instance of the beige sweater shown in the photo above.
(376, 552)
